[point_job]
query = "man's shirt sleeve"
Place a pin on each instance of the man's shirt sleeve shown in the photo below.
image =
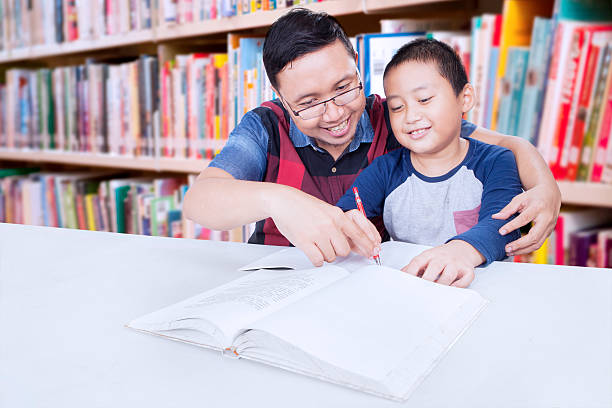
(501, 184)
(244, 156)
(467, 128)
(371, 183)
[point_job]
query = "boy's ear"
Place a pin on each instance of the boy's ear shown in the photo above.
(467, 98)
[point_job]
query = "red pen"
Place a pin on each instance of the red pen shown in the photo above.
(360, 207)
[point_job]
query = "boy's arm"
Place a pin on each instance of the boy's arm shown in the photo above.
(453, 262)
(541, 201)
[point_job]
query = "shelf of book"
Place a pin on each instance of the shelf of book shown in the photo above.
(75, 47)
(588, 194)
(266, 18)
(213, 26)
(257, 19)
(203, 28)
(190, 166)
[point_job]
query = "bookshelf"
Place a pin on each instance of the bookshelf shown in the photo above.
(165, 42)
(574, 193)
(36, 52)
(586, 194)
(163, 34)
(175, 165)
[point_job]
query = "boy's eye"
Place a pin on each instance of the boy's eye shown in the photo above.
(424, 100)
(397, 108)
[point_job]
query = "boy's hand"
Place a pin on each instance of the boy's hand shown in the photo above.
(449, 264)
(540, 205)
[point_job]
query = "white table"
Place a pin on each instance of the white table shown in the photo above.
(545, 340)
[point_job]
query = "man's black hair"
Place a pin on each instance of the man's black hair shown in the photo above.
(297, 33)
(429, 50)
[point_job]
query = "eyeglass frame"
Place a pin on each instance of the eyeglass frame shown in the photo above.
(297, 113)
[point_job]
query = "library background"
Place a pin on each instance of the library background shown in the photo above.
(110, 108)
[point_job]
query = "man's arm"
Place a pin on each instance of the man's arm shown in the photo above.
(219, 201)
(541, 201)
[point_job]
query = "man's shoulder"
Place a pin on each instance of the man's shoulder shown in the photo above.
(489, 157)
(482, 149)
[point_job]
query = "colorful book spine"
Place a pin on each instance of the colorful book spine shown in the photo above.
(571, 75)
(593, 121)
(512, 90)
(604, 132)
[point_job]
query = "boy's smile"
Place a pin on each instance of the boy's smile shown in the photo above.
(316, 77)
(426, 114)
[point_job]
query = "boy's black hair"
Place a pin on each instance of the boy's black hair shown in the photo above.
(429, 50)
(297, 33)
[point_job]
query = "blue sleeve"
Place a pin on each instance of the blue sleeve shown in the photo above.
(371, 183)
(467, 128)
(501, 183)
(244, 156)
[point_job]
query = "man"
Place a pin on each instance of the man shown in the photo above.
(287, 163)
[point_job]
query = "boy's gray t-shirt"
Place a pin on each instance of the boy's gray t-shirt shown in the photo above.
(433, 210)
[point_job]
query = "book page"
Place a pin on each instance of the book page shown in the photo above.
(379, 323)
(288, 258)
(222, 312)
(396, 254)
(393, 254)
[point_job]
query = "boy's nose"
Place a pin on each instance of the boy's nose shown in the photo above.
(412, 115)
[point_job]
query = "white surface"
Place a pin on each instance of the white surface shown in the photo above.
(545, 340)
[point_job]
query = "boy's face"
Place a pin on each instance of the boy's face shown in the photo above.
(316, 77)
(424, 111)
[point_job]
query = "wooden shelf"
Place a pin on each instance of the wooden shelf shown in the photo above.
(384, 5)
(576, 193)
(589, 194)
(102, 160)
(75, 47)
(266, 18)
(254, 20)
(207, 27)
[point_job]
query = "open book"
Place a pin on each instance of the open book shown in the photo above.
(369, 327)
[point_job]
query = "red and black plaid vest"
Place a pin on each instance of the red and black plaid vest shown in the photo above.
(312, 171)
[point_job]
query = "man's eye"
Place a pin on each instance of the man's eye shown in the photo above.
(342, 87)
(425, 100)
(307, 103)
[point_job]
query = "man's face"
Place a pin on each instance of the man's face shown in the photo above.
(424, 111)
(316, 77)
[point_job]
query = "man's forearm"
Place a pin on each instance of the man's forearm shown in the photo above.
(224, 203)
(532, 168)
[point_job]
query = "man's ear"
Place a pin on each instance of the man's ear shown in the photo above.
(467, 98)
(356, 58)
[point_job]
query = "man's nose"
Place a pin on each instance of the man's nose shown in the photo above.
(333, 112)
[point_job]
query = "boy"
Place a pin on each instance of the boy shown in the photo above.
(439, 188)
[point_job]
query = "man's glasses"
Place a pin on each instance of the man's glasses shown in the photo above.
(319, 109)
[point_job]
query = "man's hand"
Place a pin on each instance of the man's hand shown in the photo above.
(449, 264)
(322, 231)
(541, 205)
